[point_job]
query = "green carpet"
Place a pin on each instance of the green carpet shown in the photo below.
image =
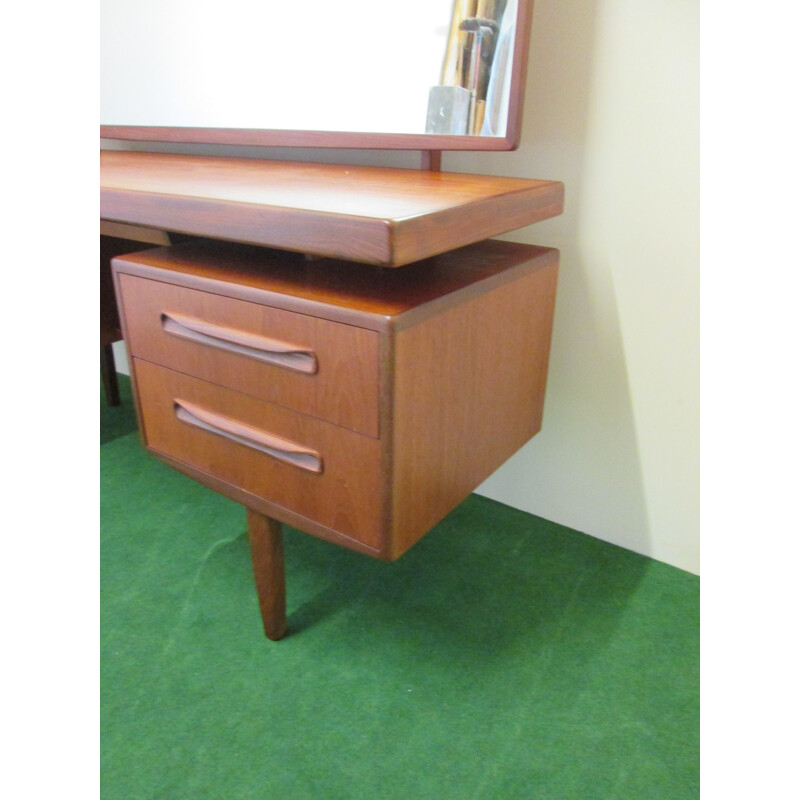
(118, 420)
(504, 656)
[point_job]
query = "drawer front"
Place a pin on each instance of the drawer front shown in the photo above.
(326, 369)
(321, 471)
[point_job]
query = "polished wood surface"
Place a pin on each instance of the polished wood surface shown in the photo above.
(337, 290)
(431, 160)
(283, 450)
(459, 382)
(314, 139)
(109, 315)
(340, 496)
(468, 393)
(342, 388)
(266, 549)
(115, 241)
(383, 216)
(264, 506)
(134, 233)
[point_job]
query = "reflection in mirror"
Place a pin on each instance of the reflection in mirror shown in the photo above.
(476, 75)
(425, 67)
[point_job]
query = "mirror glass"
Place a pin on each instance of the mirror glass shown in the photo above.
(423, 67)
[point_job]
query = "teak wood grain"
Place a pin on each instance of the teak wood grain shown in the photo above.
(462, 366)
(473, 379)
(386, 216)
(341, 496)
(343, 387)
(337, 290)
(266, 549)
(116, 240)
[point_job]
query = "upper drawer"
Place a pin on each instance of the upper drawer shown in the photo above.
(326, 369)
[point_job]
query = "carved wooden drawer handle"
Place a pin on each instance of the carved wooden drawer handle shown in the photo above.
(275, 446)
(271, 351)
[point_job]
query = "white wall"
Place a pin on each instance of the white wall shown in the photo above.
(611, 110)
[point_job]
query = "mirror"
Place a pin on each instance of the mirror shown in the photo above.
(430, 74)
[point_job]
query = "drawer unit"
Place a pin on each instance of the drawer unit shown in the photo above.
(326, 473)
(313, 365)
(387, 401)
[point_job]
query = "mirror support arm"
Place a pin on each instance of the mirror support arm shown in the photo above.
(432, 160)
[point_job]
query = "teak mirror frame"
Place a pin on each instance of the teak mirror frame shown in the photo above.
(357, 140)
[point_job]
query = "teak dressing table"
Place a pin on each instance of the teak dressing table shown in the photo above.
(342, 350)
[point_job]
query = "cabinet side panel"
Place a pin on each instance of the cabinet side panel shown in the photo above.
(469, 392)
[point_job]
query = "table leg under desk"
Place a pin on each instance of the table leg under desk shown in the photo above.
(266, 548)
(108, 371)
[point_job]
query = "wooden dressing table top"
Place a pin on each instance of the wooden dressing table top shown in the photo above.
(375, 215)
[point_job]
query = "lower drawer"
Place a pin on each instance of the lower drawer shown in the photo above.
(313, 468)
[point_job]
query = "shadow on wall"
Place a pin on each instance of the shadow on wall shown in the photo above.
(584, 468)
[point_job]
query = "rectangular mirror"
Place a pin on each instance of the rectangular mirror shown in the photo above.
(426, 75)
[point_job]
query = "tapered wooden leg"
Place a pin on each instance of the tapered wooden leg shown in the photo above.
(266, 549)
(109, 372)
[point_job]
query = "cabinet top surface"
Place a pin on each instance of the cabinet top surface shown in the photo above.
(376, 215)
(373, 192)
(263, 275)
